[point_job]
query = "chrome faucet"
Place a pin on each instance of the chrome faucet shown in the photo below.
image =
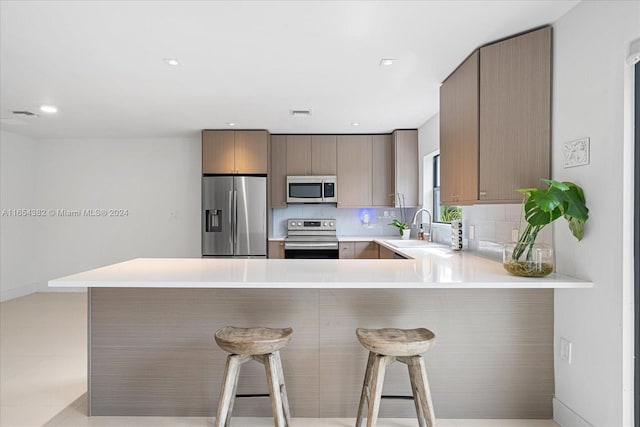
(414, 222)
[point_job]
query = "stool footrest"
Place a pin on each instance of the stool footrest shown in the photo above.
(253, 395)
(393, 396)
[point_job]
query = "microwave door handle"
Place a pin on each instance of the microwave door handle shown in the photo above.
(322, 190)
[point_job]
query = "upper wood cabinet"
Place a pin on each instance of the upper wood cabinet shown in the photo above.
(383, 167)
(364, 164)
(278, 172)
(459, 132)
(298, 154)
(218, 151)
(311, 155)
(234, 152)
(501, 98)
(354, 170)
(405, 149)
(324, 155)
(515, 115)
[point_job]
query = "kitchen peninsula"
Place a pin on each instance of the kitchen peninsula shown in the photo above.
(151, 325)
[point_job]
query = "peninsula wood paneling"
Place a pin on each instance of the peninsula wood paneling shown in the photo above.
(152, 350)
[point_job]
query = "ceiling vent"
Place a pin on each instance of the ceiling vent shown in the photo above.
(300, 113)
(24, 113)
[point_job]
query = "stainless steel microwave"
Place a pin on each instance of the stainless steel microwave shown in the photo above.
(312, 189)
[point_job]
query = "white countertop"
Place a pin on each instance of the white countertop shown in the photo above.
(432, 267)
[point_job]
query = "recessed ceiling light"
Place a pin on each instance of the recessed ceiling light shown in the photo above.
(171, 61)
(385, 62)
(300, 113)
(355, 124)
(231, 124)
(48, 108)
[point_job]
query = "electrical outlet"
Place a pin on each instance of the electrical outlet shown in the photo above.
(566, 350)
(514, 235)
(472, 232)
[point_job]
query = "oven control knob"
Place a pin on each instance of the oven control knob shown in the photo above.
(325, 223)
(292, 224)
(331, 224)
(299, 224)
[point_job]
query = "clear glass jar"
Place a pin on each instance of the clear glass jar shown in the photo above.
(528, 260)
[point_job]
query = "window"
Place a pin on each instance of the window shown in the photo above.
(442, 213)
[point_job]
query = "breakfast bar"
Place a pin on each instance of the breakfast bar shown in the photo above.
(151, 326)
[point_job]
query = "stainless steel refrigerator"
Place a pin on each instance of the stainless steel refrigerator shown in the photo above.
(234, 216)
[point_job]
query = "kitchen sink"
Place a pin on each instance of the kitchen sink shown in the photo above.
(413, 244)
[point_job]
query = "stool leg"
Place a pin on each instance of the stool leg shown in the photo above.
(416, 395)
(366, 389)
(377, 379)
(274, 389)
(418, 375)
(229, 385)
(283, 389)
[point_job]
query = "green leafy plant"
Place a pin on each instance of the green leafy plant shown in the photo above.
(399, 224)
(450, 213)
(403, 222)
(542, 207)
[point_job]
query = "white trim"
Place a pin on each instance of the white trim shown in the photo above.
(427, 180)
(628, 334)
(566, 417)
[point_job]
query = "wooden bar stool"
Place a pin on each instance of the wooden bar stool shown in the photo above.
(261, 345)
(385, 347)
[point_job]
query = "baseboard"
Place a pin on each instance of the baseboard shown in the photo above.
(566, 417)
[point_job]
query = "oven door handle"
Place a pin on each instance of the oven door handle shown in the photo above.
(310, 245)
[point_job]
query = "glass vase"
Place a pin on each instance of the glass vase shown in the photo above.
(528, 260)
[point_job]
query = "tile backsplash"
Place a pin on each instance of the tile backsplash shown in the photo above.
(349, 221)
(493, 227)
(493, 224)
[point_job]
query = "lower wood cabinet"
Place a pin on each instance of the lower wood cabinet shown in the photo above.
(384, 253)
(276, 249)
(358, 250)
(366, 250)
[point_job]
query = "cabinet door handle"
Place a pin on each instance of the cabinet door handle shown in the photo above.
(483, 193)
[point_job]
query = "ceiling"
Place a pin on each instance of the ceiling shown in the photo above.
(250, 63)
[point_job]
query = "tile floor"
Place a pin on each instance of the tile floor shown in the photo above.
(43, 373)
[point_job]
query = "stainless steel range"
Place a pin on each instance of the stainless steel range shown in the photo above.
(311, 239)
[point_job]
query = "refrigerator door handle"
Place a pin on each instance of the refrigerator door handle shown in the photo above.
(232, 221)
(235, 221)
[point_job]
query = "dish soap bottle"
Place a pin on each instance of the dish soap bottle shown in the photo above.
(421, 233)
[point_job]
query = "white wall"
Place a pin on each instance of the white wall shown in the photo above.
(156, 182)
(428, 141)
(590, 48)
(17, 191)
